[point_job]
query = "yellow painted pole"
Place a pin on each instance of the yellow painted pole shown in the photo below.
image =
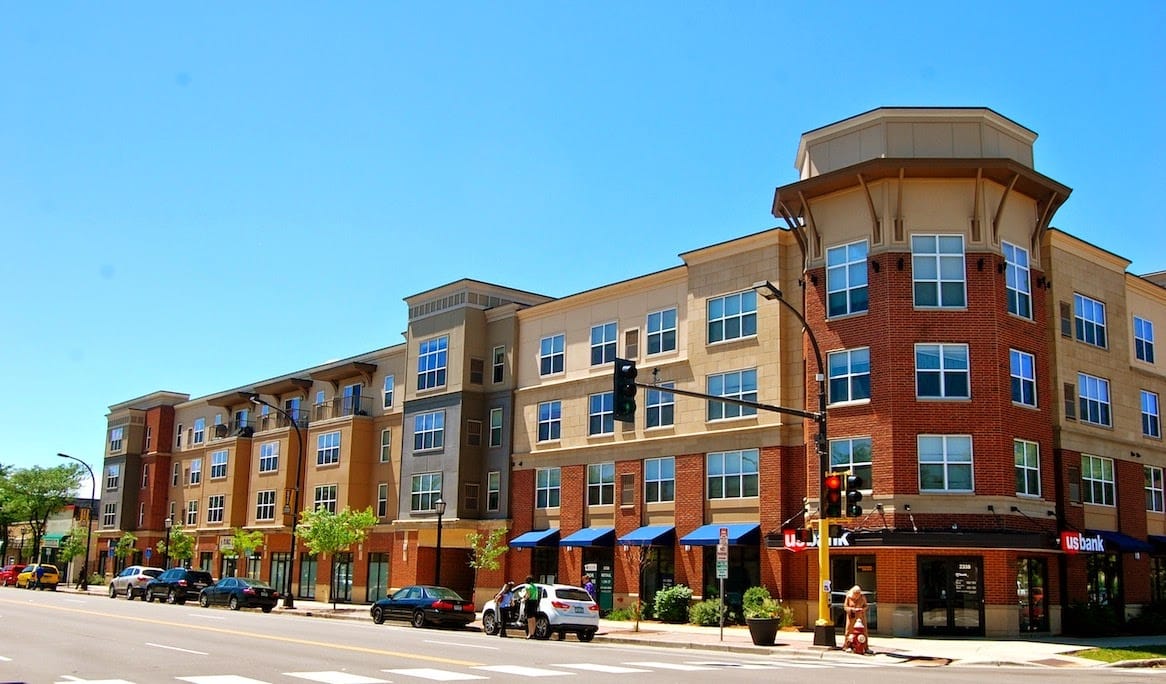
(824, 573)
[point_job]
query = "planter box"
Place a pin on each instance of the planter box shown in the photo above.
(763, 631)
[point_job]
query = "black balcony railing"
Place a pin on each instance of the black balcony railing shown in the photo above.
(339, 407)
(274, 421)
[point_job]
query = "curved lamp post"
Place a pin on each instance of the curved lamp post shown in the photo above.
(89, 519)
(439, 506)
(288, 601)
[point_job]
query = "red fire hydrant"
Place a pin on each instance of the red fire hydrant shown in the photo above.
(858, 637)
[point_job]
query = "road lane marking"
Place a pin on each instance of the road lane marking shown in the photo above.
(336, 677)
(221, 679)
(595, 667)
(523, 671)
(460, 645)
(435, 675)
(175, 648)
(671, 666)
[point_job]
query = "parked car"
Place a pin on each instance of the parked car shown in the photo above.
(48, 579)
(423, 604)
(8, 574)
(239, 592)
(176, 585)
(562, 608)
(132, 581)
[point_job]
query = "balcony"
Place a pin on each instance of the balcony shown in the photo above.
(273, 420)
(339, 407)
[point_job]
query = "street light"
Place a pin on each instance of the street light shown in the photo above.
(168, 522)
(824, 626)
(88, 519)
(288, 601)
(439, 506)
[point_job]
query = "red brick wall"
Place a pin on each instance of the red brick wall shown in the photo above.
(690, 499)
(1131, 515)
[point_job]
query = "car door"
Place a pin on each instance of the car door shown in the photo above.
(221, 592)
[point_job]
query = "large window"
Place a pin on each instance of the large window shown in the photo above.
(1097, 483)
(382, 499)
(1154, 490)
(659, 407)
(265, 505)
(199, 430)
(113, 476)
(431, 363)
(1022, 369)
(1016, 280)
(429, 431)
(601, 484)
(498, 367)
(945, 463)
(495, 427)
(325, 497)
(269, 457)
(603, 344)
(109, 515)
(1027, 458)
(218, 465)
(386, 445)
(941, 371)
(600, 414)
(659, 479)
(546, 488)
(1093, 398)
(732, 317)
(115, 439)
(387, 392)
(328, 448)
(191, 513)
(1151, 425)
(662, 331)
(196, 471)
(738, 385)
(214, 508)
(1089, 320)
(550, 354)
(853, 454)
(493, 490)
(550, 418)
(732, 474)
(937, 268)
(849, 375)
(424, 491)
(846, 279)
(1143, 340)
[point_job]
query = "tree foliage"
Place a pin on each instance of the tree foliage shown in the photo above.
(73, 545)
(36, 493)
(243, 544)
(181, 544)
(323, 531)
(125, 545)
(486, 550)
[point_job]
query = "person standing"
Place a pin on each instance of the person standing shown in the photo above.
(530, 605)
(503, 600)
(589, 587)
(40, 576)
(855, 607)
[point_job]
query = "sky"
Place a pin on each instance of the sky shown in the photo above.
(198, 196)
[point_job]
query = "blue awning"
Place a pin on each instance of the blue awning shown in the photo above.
(529, 540)
(740, 534)
(1121, 542)
(650, 535)
(590, 536)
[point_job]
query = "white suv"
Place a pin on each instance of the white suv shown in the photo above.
(132, 581)
(562, 608)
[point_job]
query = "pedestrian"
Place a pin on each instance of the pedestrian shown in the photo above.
(855, 608)
(40, 575)
(530, 605)
(589, 586)
(503, 600)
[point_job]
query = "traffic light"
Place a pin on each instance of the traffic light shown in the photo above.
(853, 496)
(833, 487)
(624, 390)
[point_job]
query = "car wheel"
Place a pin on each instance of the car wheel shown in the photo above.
(172, 597)
(204, 601)
(586, 636)
(489, 623)
(233, 603)
(378, 615)
(112, 591)
(418, 619)
(267, 609)
(129, 593)
(542, 627)
(148, 596)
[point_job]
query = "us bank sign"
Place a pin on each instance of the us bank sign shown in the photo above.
(1077, 542)
(794, 544)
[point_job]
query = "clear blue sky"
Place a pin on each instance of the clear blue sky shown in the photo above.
(193, 198)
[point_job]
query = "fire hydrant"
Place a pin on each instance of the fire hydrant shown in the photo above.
(858, 637)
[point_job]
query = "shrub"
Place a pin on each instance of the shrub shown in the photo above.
(622, 614)
(707, 613)
(753, 600)
(1090, 619)
(1152, 620)
(671, 604)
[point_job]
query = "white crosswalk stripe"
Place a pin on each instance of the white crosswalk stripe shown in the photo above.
(435, 675)
(221, 679)
(336, 677)
(523, 671)
(658, 665)
(595, 667)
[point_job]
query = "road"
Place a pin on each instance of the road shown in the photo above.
(62, 637)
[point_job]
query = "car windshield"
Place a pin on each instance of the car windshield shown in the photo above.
(443, 593)
(151, 572)
(572, 594)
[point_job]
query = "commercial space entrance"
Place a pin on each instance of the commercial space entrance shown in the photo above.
(951, 596)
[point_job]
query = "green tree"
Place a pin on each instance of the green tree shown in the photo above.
(10, 511)
(486, 551)
(125, 546)
(243, 545)
(181, 545)
(326, 532)
(36, 493)
(72, 546)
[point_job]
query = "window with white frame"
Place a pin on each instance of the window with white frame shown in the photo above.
(550, 420)
(601, 414)
(732, 474)
(732, 317)
(192, 513)
(945, 463)
(1143, 340)
(269, 457)
(141, 514)
(1017, 282)
(1022, 370)
(196, 471)
(113, 476)
(1154, 491)
(149, 438)
(741, 385)
(551, 354)
(937, 271)
(1089, 320)
(498, 367)
(849, 375)
(495, 427)
(601, 484)
(199, 430)
(174, 474)
(424, 491)
(941, 371)
(429, 431)
(662, 331)
(660, 406)
(387, 392)
(386, 445)
(432, 358)
(145, 475)
(324, 497)
(1151, 425)
(178, 437)
(853, 454)
(214, 508)
(328, 448)
(1093, 399)
(846, 279)
(218, 464)
(265, 504)
(115, 439)
(659, 479)
(1097, 482)
(382, 499)
(603, 343)
(493, 490)
(170, 511)
(109, 515)
(1026, 455)
(547, 487)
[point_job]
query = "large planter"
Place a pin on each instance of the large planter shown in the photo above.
(763, 631)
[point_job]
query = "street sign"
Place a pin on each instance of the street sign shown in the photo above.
(723, 554)
(149, 551)
(722, 569)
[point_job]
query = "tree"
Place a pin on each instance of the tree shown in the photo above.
(72, 546)
(10, 510)
(243, 545)
(181, 544)
(641, 557)
(125, 546)
(38, 492)
(326, 532)
(486, 551)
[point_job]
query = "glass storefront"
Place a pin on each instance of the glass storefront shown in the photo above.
(744, 572)
(544, 564)
(308, 568)
(378, 577)
(1031, 580)
(951, 596)
(1103, 582)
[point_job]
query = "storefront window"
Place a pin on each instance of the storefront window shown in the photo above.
(544, 564)
(308, 568)
(378, 576)
(1103, 582)
(744, 572)
(1031, 580)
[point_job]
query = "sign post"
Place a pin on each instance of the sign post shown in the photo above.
(723, 571)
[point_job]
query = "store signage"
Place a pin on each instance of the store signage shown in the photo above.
(1076, 542)
(792, 543)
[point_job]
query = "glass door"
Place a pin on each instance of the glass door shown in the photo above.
(951, 596)
(342, 578)
(1031, 580)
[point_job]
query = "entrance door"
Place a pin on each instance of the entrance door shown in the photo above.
(951, 596)
(847, 571)
(1031, 579)
(342, 579)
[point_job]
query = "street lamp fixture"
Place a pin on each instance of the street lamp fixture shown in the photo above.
(439, 506)
(168, 522)
(88, 519)
(288, 601)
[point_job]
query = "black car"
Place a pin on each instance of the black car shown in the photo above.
(178, 584)
(239, 592)
(421, 605)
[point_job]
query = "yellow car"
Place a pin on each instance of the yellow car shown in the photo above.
(46, 579)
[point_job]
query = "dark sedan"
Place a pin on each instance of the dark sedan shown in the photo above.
(422, 605)
(239, 592)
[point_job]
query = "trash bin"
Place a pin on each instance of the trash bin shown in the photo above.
(902, 625)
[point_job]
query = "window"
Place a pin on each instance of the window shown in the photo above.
(477, 371)
(1097, 483)
(431, 363)
(1027, 457)
(178, 437)
(603, 344)
(386, 445)
(113, 476)
(429, 431)
(550, 355)
(199, 430)
(328, 448)
(382, 499)
(937, 270)
(941, 371)
(387, 392)
(269, 457)
(174, 475)
(1093, 399)
(1143, 340)
(141, 514)
(493, 490)
(846, 286)
(661, 331)
(425, 490)
(601, 484)
(265, 505)
(145, 475)
(474, 432)
(546, 488)
(1016, 280)
(945, 463)
(601, 414)
(659, 479)
(1154, 491)
(325, 497)
(1151, 427)
(196, 471)
(495, 427)
(191, 513)
(115, 439)
(732, 474)
(853, 454)
(214, 508)
(1089, 320)
(738, 385)
(660, 408)
(1022, 368)
(470, 499)
(109, 515)
(218, 465)
(149, 438)
(732, 317)
(499, 365)
(550, 417)
(849, 375)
